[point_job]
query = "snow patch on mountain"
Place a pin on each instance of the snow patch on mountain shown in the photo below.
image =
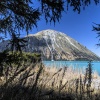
(71, 43)
(51, 35)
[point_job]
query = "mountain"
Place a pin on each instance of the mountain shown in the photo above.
(54, 45)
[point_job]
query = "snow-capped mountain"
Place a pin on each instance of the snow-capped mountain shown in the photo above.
(54, 45)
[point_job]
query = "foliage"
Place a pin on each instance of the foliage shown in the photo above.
(96, 28)
(17, 43)
(15, 57)
(78, 4)
(10, 59)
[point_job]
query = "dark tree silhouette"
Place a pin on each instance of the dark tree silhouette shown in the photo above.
(97, 29)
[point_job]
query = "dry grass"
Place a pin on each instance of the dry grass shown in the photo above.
(37, 82)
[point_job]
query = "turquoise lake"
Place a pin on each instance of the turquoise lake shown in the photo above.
(74, 64)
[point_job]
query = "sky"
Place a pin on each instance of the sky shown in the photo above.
(77, 26)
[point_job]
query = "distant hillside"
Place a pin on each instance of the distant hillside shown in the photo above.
(54, 45)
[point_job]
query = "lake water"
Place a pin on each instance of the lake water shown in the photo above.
(74, 64)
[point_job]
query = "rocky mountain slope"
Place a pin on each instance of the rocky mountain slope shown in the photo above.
(54, 45)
